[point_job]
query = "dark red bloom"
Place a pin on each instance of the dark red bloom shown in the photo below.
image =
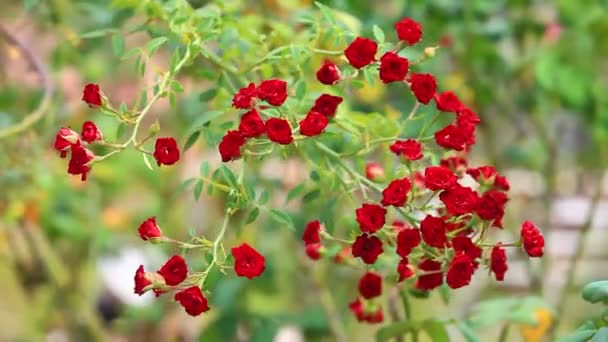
(91, 95)
(193, 301)
(453, 137)
(375, 317)
(396, 192)
(361, 52)
(362, 315)
(459, 200)
(247, 261)
(327, 105)
(410, 149)
(272, 91)
(464, 245)
(533, 239)
(456, 164)
(313, 251)
(404, 270)
(79, 161)
(371, 217)
(141, 282)
(491, 206)
(460, 271)
(408, 30)
(90, 132)
(434, 276)
(149, 230)
(166, 151)
(482, 174)
(439, 178)
(433, 231)
(393, 68)
(243, 99)
(399, 225)
(370, 285)
(230, 147)
(311, 232)
(373, 171)
(64, 139)
(367, 247)
(423, 86)
(501, 182)
(174, 270)
(328, 73)
(448, 102)
(313, 124)
(467, 116)
(279, 131)
(251, 124)
(407, 240)
(498, 262)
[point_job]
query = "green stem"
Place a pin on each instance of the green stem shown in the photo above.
(504, 333)
(407, 308)
(216, 243)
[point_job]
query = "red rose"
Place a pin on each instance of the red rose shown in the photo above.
(419, 180)
(423, 86)
(193, 301)
(433, 231)
(482, 174)
(328, 73)
(396, 192)
(141, 281)
(501, 182)
(452, 137)
(174, 270)
(448, 102)
(393, 68)
(361, 52)
(311, 232)
(64, 139)
(533, 239)
(410, 149)
(313, 251)
(243, 99)
(407, 239)
(149, 230)
(371, 217)
(313, 124)
(247, 261)
(327, 105)
(367, 247)
(498, 262)
(370, 285)
(357, 309)
(279, 131)
(433, 277)
(166, 151)
(91, 95)
(463, 244)
(375, 317)
(467, 116)
(404, 269)
(439, 178)
(362, 315)
(230, 147)
(460, 271)
(90, 132)
(251, 125)
(456, 164)
(79, 161)
(272, 91)
(459, 200)
(408, 30)
(491, 206)
(374, 171)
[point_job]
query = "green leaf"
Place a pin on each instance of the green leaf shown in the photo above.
(395, 329)
(198, 188)
(120, 130)
(436, 331)
(146, 161)
(264, 197)
(204, 168)
(282, 218)
(118, 44)
(97, 33)
(300, 90)
(357, 84)
(29, 4)
(311, 196)
(208, 95)
(578, 336)
(378, 34)
(314, 175)
(601, 335)
(228, 176)
(596, 291)
(327, 12)
(191, 140)
(155, 43)
(444, 291)
(467, 332)
(296, 191)
(177, 87)
(253, 215)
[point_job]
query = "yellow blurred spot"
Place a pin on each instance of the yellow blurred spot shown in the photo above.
(15, 210)
(535, 333)
(371, 94)
(392, 112)
(13, 53)
(114, 218)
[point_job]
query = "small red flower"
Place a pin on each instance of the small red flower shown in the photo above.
(311, 232)
(79, 161)
(367, 247)
(193, 301)
(459, 200)
(90, 132)
(230, 147)
(409, 30)
(362, 315)
(433, 277)
(174, 270)
(467, 116)
(433, 231)
(328, 73)
(501, 182)
(456, 164)
(64, 139)
(251, 125)
(423, 86)
(482, 174)
(491, 206)
(166, 151)
(370, 285)
(313, 124)
(448, 102)
(404, 269)
(374, 171)
(279, 131)
(498, 262)
(460, 271)
(141, 281)
(313, 251)
(396, 192)
(149, 230)
(455, 137)
(410, 149)
(533, 239)
(243, 99)
(272, 91)
(91, 95)
(464, 245)
(327, 105)
(247, 261)
(393, 68)
(361, 52)
(407, 240)
(439, 178)
(371, 217)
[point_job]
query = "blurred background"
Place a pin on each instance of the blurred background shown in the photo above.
(535, 71)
